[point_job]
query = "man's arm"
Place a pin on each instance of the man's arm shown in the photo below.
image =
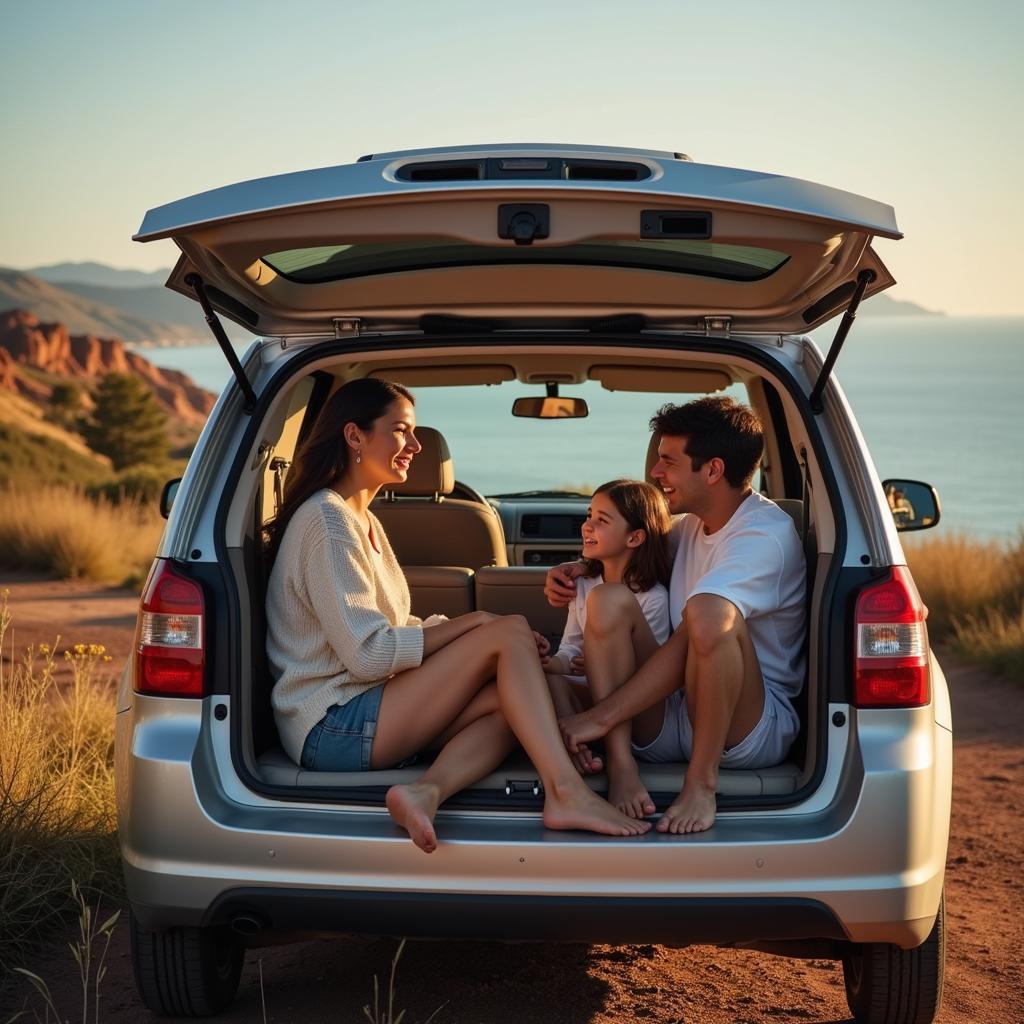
(560, 583)
(659, 676)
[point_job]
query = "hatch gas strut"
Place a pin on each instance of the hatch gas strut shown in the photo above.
(195, 282)
(817, 405)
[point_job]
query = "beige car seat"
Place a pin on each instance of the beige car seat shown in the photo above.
(426, 527)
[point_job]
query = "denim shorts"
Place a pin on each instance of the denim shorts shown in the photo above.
(341, 741)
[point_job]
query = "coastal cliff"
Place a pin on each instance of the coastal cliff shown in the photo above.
(28, 344)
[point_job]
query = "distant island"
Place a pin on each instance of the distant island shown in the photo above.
(133, 305)
(886, 305)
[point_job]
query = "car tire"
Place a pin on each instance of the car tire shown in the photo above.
(185, 972)
(889, 985)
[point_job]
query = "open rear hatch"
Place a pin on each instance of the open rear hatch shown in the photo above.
(525, 235)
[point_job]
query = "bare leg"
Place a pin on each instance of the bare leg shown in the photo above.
(473, 752)
(418, 705)
(725, 699)
(566, 703)
(618, 640)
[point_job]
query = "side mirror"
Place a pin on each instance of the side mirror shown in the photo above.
(553, 407)
(914, 505)
(167, 496)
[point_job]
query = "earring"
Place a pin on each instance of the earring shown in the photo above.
(359, 458)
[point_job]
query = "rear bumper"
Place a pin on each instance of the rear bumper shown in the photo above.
(669, 921)
(862, 860)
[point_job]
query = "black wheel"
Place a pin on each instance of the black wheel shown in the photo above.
(186, 972)
(889, 985)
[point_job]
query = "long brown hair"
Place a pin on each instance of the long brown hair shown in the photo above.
(644, 508)
(323, 456)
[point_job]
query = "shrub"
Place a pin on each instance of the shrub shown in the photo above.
(141, 484)
(63, 532)
(126, 425)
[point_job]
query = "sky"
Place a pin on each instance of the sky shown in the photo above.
(109, 108)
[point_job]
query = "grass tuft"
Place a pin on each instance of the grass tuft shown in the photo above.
(974, 591)
(89, 953)
(995, 639)
(57, 818)
(63, 532)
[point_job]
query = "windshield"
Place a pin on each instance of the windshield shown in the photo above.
(500, 455)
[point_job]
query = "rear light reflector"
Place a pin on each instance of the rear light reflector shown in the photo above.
(891, 644)
(169, 654)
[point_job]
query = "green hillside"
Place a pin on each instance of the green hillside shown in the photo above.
(34, 459)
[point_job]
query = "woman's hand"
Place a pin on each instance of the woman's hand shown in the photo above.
(560, 583)
(543, 648)
(576, 666)
(443, 633)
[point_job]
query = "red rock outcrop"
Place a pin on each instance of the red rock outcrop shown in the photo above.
(24, 341)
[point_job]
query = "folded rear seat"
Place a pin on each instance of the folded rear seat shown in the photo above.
(276, 768)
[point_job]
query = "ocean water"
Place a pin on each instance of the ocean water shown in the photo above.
(938, 399)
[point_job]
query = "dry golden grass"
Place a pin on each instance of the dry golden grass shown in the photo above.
(974, 591)
(62, 531)
(57, 820)
(995, 639)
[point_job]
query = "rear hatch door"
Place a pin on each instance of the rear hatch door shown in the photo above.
(525, 235)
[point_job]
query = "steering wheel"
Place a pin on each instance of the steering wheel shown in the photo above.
(467, 493)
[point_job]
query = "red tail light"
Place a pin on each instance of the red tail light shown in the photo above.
(891, 644)
(169, 638)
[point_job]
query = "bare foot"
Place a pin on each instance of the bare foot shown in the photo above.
(583, 809)
(586, 761)
(413, 807)
(692, 811)
(627, 792)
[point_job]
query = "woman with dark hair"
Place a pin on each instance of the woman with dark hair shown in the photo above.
(360, 684)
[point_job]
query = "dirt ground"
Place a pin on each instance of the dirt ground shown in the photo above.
(477, 983)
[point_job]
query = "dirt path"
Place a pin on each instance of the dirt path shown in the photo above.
(478, 983)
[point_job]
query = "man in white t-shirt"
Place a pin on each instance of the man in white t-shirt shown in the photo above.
(719, 692)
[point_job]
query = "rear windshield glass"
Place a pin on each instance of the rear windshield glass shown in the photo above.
(707, 259)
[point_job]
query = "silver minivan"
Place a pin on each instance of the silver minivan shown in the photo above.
(495, 271)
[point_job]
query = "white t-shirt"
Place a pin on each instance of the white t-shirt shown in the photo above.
(755, 561)
(653, 603)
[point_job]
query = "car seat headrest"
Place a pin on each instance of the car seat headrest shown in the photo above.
(431, 473)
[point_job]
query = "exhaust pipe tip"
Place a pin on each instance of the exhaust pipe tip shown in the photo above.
(248, 924)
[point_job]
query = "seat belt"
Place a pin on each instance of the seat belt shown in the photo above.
(280, 468)
(805, 512)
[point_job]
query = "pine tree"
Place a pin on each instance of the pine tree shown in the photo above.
(127, 425)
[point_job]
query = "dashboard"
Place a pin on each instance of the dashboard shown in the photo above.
(541, 530)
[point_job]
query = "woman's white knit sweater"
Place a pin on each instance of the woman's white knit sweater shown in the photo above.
(338, 619)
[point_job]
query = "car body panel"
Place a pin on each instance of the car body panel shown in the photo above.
(186, 840)
(226, 233)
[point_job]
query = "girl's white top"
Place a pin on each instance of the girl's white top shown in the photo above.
(653, 603)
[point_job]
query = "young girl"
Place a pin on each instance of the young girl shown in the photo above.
(360, 684)
(625, 551)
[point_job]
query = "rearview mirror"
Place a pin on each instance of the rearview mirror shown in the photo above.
(914, 505)
(554, 407)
